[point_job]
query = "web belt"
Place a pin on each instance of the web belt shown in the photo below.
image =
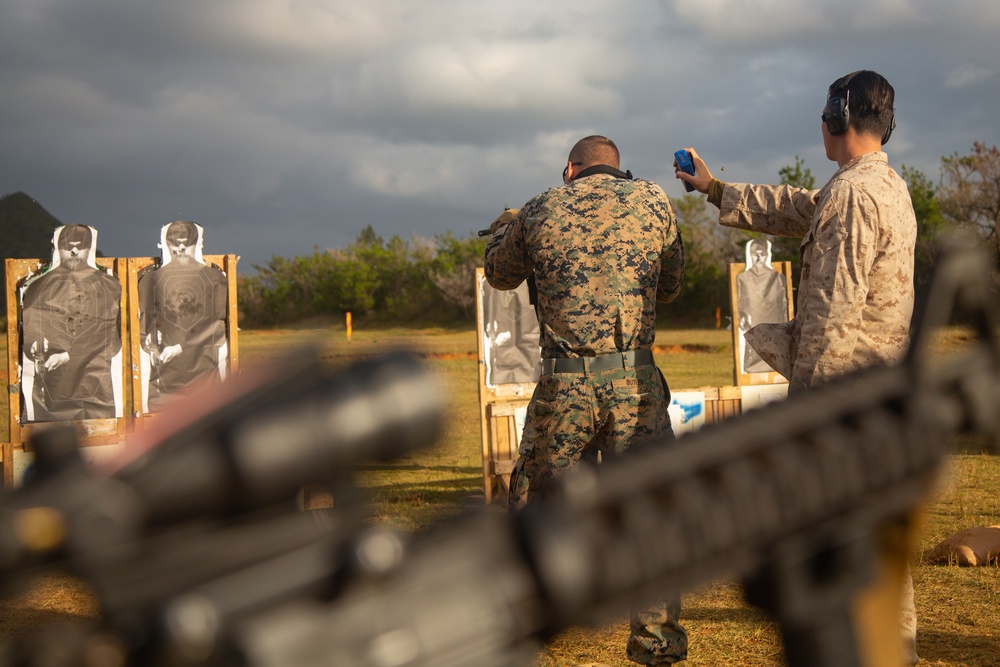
(603, 362)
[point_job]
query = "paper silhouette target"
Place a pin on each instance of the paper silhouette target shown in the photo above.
(182, 317)
(71, 347)
(761, 294)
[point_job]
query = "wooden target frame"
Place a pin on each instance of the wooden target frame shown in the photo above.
(97, 432)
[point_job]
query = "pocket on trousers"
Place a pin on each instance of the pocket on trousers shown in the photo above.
(537, 423)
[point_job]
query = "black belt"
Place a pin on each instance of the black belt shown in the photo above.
(603, 362)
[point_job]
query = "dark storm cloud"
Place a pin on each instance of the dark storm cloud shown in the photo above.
(280, 126)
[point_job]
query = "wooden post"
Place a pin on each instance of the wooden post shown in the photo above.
(228, 265)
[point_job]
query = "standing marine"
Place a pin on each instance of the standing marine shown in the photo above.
(602, 250)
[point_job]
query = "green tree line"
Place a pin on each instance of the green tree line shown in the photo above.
(419, 282)
(432, 282)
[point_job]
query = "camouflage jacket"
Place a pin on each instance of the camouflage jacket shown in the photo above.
(603, 250)
(855, 293)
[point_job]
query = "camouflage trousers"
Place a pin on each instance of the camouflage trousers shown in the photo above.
(575, 417)
(655, 636)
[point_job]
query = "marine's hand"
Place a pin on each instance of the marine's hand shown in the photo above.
(503, 220)
(701, 177)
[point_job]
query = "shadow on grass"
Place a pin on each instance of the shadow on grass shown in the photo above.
(968, 650)
(745, 615)
(973, 444)
(415, 467)
(451, 491)
(444, 486)
(22, 622)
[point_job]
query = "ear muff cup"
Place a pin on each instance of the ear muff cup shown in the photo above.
(837, 115)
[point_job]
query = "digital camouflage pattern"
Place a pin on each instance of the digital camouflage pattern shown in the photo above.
(602, 250)
(655, 637)
(855, 294)
(573, 416)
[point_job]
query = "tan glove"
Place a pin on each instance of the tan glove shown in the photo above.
(503, 220)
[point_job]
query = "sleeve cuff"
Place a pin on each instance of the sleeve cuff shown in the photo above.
(715, 189)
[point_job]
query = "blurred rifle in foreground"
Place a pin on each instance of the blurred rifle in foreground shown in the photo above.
(204, 503)
(806, 500)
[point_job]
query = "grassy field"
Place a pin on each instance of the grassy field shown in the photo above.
(958, 608)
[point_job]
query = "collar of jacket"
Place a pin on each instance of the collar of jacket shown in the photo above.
(603, 169)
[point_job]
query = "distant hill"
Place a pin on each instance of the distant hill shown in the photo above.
(25, 227)
(25, 232)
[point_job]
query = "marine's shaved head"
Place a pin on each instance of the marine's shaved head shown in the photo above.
(595, 149)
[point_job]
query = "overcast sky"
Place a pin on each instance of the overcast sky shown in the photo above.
(280, 125)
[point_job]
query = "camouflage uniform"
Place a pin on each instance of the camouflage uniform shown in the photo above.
(603, 250)
(856, 287)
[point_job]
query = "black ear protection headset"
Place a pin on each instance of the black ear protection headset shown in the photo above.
(837, 112)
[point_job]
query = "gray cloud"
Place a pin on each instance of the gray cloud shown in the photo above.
(280, 126)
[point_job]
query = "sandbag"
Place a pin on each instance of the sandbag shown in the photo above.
(970, 547)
